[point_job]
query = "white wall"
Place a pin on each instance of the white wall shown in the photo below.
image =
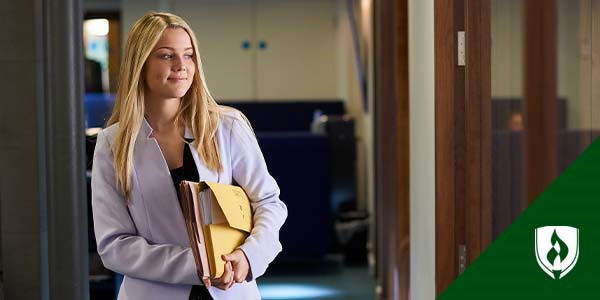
(349, 89)
(131, 10)
(299, 62)
(422, 149)
(369, 127)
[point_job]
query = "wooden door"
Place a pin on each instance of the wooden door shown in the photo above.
(463, 140)
(517, 114)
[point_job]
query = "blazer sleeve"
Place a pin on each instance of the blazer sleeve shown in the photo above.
(119, 246)
(250, 172)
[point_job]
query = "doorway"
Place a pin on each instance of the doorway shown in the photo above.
(510, 118)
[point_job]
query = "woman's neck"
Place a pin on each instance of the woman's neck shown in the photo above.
(161, 113)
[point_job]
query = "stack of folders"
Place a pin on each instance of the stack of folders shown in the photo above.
(218, 218)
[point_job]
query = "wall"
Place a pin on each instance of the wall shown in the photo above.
(298, 63)
(349, 89)
(422, 149)
(22, 233)
(131, 10)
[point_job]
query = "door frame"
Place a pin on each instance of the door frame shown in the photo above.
(391, 113)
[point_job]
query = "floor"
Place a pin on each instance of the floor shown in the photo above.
(304, 281)
(331, 281)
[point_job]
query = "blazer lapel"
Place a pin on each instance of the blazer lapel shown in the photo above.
(157, 190)
(204, 173)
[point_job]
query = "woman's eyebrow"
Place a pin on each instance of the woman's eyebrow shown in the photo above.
(173, 49)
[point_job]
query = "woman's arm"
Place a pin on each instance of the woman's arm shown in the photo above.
(250, 172)
(119, 246)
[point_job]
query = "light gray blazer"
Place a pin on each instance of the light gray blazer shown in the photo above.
(146, 239)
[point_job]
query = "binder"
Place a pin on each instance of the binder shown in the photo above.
(218, 219)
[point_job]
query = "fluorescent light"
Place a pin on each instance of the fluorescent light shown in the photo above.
(97, 27)
(271, 291)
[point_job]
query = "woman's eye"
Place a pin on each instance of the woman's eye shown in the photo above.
(189, 55)
(166, 56)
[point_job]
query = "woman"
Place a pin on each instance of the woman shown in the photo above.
(166, 127)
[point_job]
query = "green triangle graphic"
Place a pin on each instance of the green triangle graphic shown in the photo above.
(508, 269)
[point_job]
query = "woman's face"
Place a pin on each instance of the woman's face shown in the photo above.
(169, 70)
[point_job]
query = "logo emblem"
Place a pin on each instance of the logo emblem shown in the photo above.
(557, 249)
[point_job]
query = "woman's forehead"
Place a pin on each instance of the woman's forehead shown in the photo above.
(174, 39)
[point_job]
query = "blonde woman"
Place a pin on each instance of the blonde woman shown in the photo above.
(166, 127)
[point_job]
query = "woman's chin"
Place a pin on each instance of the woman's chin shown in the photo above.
(176, 94)
(170, 92)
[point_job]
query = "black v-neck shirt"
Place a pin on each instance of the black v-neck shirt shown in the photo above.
(187, 172)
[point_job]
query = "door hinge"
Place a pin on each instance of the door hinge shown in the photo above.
(462, 258)
(462, 60)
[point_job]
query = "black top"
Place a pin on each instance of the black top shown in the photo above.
(187, 172)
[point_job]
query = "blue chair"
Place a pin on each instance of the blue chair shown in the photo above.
(98, 108)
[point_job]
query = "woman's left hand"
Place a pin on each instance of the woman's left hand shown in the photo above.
(224, 282)
(240, 264)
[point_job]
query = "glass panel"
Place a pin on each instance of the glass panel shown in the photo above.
(578, 95)
(95, 37)
(507, 119)
(575, 86)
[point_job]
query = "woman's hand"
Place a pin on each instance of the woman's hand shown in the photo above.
(240, 264)
(224, 282)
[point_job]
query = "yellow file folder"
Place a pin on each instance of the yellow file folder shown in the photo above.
(218, 219)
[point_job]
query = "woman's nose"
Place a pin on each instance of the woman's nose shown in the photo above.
(178, 64)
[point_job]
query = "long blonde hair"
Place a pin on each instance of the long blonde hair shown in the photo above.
(198, 110)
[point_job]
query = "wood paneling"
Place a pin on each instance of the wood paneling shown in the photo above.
(540, 109)
(445, 76)
(402, 124)
(485, 67)
(478, 128)
(114, 53)
(392, 151)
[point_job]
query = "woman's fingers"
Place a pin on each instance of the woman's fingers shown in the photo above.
(239, 263)
(231, 281)
(228, 273)
(226, 280)
(206, 282)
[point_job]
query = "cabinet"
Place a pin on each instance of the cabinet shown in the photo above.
(266, 49)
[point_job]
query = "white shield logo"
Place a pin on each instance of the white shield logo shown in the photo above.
(557, 249)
